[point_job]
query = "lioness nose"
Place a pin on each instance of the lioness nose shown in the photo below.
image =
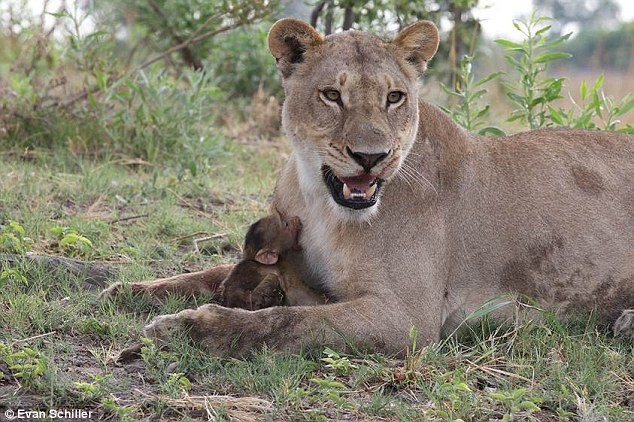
(367, 161)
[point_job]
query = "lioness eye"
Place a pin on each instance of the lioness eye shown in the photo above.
(394, 97)
(332, 94)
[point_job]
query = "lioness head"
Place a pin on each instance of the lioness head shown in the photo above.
(351, 108)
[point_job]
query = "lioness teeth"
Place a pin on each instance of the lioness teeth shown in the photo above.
(346, 191)
(348, 194)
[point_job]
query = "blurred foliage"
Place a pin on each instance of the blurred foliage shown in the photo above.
(149, 79)
(534, 94)
(581, 13)
(162, 24)
(611, 48)
(128, 79)
(240, 63)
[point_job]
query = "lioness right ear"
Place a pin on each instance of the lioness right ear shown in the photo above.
(267, 256)
(418, 42)
(288, 41)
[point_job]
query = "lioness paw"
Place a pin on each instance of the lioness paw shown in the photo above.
(162, 327)
(624, 325)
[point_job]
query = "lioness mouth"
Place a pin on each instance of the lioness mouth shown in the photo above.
(352, 192)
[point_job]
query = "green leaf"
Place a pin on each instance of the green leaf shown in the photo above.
(491, 306)
(482, 112)
(499, 396)
(542, 30)
(555, 115)
(549, 57)
(449, 91)
(529, 405)
(583, 89)
(509, 44)
(487, 78)
(558, 41)
(598, 83)
(626, 107)
(491, 130)
(516, 98)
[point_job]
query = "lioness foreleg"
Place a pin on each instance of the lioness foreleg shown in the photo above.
(363, 323)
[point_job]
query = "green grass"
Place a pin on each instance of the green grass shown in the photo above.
(57, 340)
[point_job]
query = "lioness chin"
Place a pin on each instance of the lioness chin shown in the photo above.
(410, 220)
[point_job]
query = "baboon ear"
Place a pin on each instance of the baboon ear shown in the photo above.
(267, 256)
(288, 41)
(418, 43)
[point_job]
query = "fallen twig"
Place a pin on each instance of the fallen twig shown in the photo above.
(132, 217)
(24, 340)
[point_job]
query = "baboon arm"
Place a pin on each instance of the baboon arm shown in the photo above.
(270, 282)
(361, 323)
(206, 281)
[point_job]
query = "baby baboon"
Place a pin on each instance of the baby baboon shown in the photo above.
(268, 273)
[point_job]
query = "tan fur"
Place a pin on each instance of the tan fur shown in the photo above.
(461, 219)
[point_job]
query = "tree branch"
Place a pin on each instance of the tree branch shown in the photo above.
(314, 14)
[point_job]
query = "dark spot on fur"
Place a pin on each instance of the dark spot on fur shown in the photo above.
(515, 278)
(609, 299)
(541, 255)
(587, 180)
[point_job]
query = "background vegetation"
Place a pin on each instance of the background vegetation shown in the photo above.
(144, 136)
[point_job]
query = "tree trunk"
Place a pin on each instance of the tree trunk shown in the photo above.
(348, 18)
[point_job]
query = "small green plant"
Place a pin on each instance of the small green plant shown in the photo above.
(341, 365)
(594, 105)
(27, 365)
(13, 238)
(530, 58)
(330, 389)
(515, 402)
(71, 242)
(160, 365)
(93, 391)
(95, 327)
(468, 91)
(175, 384)
(452, 397)
(12, 275)
(123, 412)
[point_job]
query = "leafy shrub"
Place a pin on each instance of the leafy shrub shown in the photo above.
(85, 93)
(535, 94)
(241, 63)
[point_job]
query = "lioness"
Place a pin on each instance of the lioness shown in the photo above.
(410, 220)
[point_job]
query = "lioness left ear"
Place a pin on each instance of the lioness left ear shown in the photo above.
(288, 41)
(418, 42)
